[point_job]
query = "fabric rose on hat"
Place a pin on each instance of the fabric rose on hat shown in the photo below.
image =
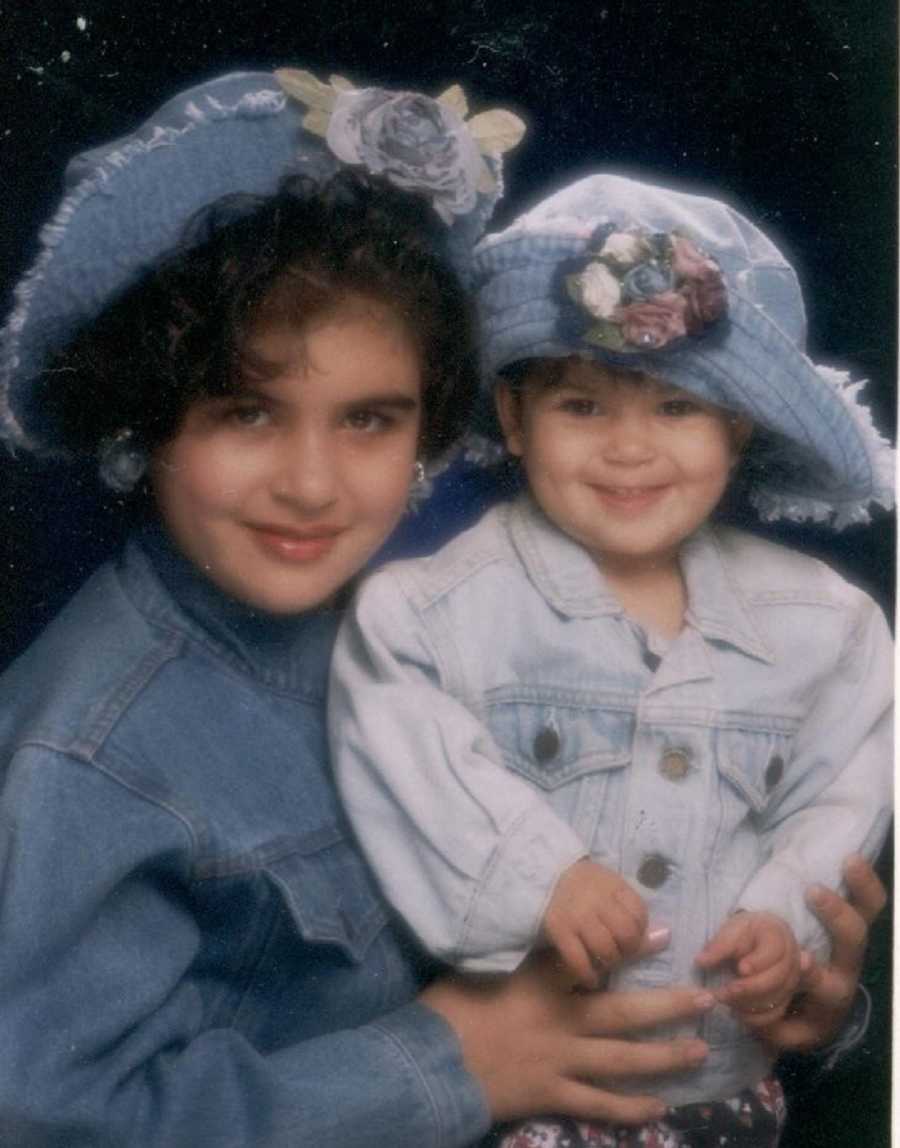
(640, 290)
(652, 323)
(597, 289)
(702, 284)
(415, 142)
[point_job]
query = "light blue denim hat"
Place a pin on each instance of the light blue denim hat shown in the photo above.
(685, 288)
(126, 203)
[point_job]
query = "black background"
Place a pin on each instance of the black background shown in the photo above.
(788, 105)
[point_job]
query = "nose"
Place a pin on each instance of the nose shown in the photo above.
(628, 439)
(306, 473)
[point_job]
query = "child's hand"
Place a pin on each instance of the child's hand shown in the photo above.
(767, 958)
(594, 919)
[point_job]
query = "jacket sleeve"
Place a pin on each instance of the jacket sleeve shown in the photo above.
(835, 796)
(103, 1033)
(465, 850)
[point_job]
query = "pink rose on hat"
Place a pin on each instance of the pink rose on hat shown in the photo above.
(652, 323)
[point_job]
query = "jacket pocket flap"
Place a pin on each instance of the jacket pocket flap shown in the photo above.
(327, 888)
(755, 761)
(553, 737)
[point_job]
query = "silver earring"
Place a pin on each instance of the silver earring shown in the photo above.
(419, 487)
(122, 462)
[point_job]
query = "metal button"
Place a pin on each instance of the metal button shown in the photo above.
(674, 764)
(546, 745)
(653, 871)
(774, 770)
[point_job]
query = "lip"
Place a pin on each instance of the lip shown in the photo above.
(296, 545)
(631, 499)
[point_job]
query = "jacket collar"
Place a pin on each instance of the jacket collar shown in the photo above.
(570, 580)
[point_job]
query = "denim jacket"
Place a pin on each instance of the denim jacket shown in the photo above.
(495, 716)
(193, 952)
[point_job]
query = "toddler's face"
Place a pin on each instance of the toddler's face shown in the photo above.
(626, 465)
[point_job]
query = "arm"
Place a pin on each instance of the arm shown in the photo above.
(108, 1029)
(835, 797)
(467, 851)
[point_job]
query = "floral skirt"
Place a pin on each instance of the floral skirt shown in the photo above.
(752, 1120)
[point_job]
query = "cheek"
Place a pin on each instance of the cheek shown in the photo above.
(381, 485)
(201, 478)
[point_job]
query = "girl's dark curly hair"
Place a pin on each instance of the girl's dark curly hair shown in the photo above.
(176, 336)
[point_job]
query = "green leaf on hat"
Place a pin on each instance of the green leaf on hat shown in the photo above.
(303, 86)
(342, 84)
(603, 334)
(316, 122)
(496, 131)
(455, 98)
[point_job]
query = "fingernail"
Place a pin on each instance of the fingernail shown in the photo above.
(816, 894)
(659, 935)
(805, 961)
(704, 1000)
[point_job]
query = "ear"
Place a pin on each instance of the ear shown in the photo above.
(509, 412)
(740, 427)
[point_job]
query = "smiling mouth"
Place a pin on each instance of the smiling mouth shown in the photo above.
(631, 497)
(296, 545)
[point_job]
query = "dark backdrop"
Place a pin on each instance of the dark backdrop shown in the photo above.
(790, 105)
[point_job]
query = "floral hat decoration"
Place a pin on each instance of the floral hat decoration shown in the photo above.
(126, 203)
(685, 288)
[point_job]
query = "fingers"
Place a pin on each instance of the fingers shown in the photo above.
(585, 1102)
(732, 942)
(599, 1059)
(846, 927)
(576, 957)
(866, 892)
(624, 1012)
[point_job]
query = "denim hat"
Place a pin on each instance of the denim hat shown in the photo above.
(685, 288)
(126, 203)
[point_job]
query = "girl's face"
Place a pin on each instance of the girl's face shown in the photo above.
(627, 467)
(281, 492)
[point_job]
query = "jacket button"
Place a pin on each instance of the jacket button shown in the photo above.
(653, 871)
(774, 770)
(674, 764)
(546, 745)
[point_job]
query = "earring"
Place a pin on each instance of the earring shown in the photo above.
(121, 461)
(419, 487)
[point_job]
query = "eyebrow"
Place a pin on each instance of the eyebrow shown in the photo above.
(390, 399)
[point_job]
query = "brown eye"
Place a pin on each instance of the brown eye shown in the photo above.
(679, 408)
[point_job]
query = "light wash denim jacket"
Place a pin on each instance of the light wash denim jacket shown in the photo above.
(494, 716)
(192, 951)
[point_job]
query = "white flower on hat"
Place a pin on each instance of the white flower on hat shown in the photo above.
(624, 247)
(598, 290)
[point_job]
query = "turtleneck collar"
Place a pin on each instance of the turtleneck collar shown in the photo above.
(289, 652)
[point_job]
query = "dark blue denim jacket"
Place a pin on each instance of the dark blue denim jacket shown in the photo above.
(193, 952)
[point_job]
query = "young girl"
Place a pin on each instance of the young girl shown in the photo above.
(599, 708)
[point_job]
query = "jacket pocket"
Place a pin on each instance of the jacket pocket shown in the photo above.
(552, 737)
(756, 758)
(327, 889)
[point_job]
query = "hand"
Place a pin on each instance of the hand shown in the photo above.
(594, 919)
(767, 958)
(826, 991)
(535, 1046)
